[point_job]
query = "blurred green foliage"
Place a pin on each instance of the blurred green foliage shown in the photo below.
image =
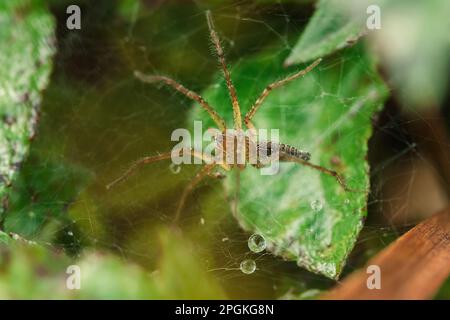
(30, 271)
(412, 43)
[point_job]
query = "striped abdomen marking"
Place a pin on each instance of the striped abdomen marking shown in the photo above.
(264, 148)
(285, 149)
(294, 152)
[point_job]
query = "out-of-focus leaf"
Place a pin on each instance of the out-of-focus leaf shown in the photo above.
(305, 215)
(178, 275)
(30, 271)
(331, 28)
(412, 42)
(310, 294)
(26, 49)
(414, 45)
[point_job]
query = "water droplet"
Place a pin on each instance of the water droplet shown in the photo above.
(256, 243)
(174, 168)
(316, 205)
(248, 266)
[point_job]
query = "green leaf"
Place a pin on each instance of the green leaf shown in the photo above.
(328, 113)
(26, 38)
(331, 28)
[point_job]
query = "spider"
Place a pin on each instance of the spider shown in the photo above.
(286, 153)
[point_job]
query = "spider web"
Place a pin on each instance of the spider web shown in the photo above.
(97, 119)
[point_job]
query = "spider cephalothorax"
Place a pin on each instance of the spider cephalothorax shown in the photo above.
(237, 156)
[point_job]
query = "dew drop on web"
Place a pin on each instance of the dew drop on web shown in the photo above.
(248, 266)
(256, 243)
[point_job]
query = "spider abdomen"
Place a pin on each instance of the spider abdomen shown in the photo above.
(288, 150)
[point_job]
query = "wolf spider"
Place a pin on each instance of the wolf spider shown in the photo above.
(286, 153)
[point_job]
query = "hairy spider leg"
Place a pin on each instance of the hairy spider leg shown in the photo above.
(221, 55)
(205, 171)
(324, 170)
(136, 165)
(164, 156)
(250, 114)
(188, 93)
